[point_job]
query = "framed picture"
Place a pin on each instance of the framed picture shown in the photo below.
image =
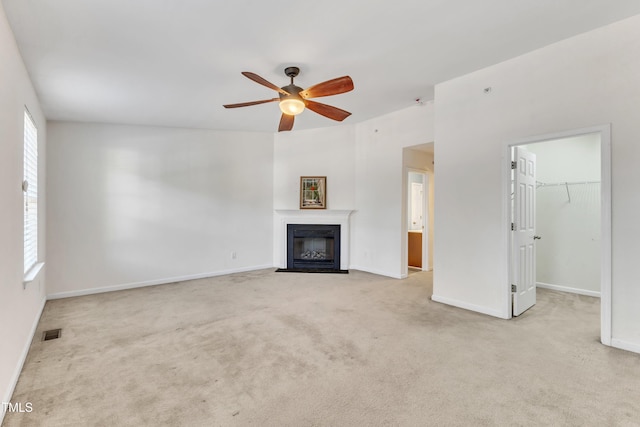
(313, 192)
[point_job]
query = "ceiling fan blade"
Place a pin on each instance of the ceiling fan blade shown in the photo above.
(333, 113)
(256, 78)
(330, 87)
(286, 122)
(246, 104)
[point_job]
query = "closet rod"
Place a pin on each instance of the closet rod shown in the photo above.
(556, 184)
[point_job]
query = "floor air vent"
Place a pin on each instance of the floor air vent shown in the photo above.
(51, 334)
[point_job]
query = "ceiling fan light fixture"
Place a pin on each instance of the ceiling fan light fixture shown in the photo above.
(293, 100)
(292, 106)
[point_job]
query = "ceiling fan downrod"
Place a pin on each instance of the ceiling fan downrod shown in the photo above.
(291, 72)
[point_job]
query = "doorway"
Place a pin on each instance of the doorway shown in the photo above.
(587, 177)
(417, 208)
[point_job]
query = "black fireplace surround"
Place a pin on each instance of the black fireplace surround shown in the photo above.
(313, 248)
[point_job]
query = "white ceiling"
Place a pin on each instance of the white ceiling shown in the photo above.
(174, 63)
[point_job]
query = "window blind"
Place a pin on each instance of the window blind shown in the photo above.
(30, 190)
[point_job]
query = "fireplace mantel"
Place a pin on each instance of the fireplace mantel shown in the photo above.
(284, 217)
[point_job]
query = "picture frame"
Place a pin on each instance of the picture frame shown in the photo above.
(313, 192)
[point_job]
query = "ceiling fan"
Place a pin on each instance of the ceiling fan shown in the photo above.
(293, 99)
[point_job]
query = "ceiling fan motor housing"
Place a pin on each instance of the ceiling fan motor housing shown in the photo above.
(293, 90)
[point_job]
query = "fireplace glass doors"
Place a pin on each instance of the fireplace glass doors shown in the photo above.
(313, 247)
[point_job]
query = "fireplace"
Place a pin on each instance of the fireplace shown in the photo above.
(313, 248)
(303, 217)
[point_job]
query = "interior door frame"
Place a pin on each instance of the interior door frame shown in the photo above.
(605, 219)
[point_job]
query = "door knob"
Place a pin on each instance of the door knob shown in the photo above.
(537, 237)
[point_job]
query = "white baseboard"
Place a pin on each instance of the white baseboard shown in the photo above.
(568, 289)
(164, 281)
(378, 272)
(467, 306)
(23, 358)
(625, 345)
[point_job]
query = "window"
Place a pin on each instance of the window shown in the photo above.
(30, 190)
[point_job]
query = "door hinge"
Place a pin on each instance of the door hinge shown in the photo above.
(514, 165)
(513, 227)
(514, 288)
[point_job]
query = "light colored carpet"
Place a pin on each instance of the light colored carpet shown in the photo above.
(289, 349)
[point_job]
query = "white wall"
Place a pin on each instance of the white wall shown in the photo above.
(569, 159)
(134, 205)
(19, 308)
(128, 201)
(364, 169)
(380, 229)
(326, 152)
(568, 255)
(588, 80)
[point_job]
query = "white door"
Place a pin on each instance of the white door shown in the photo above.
(417, 201)
(524, 228)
